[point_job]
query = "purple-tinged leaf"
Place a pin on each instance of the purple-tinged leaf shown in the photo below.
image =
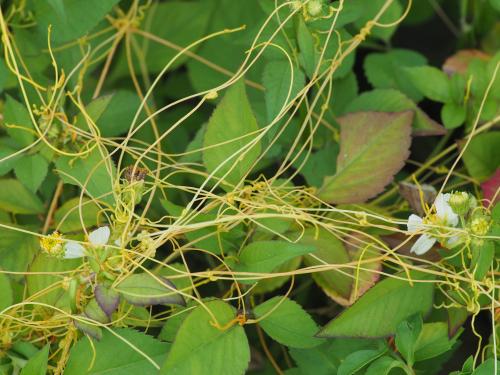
(88, 328)
(373, 148)
(144, 289)
(94, 312)
(108, 299)
(412, 192)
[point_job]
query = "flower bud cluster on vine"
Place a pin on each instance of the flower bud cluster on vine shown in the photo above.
(454, 219)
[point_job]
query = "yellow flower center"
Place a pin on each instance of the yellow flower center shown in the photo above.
(52, 244)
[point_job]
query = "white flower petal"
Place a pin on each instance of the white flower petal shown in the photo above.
(100, 236)
(73, 250)
(443, 210)
(118, 242)
(423, 244)
(415, 223)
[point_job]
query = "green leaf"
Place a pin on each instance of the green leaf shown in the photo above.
(389, 100)
(6, 296)
(326, 358)
(357, 360)
(481, 156)
(385, 70)
(94, 173)
(31, 171)
(17, 249)
(431, 82)
(282, 85)
(37, 365)
(114, 113)
(433, 341)
(373, 148)
(67, 217)
(18, 122)
(202, 348)
(384, 366)
(453, 115)
(143, 289)
(16, 198)
(371, 8)
(118, 352)
(379, 311)
(482, 259)
(337, 285)
(315, 169)
(265, 256)
(231, 129)
(7, 162)
(179, 23)
(287, 323)
(44, 280)
(70, 19)
(407, 334)
(487, 367)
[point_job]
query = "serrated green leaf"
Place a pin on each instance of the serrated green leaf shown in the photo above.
(281, 86)
(18, 122)
(7, 161)
(265, 256)
(231, 129)
(117, 353)
(337, 285)
(373, 148)
(389, 100)
(16, 198)
(6, 296)
(37, 365)
(481, 157)
(143, 289)
(287, 323)
(385, 70)
(431, 82)
(70, 19)
(90, 173)
(31, 171)
(379, 311)
(180, 24)
(201, 348)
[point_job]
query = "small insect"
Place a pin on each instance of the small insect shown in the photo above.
(133, 174)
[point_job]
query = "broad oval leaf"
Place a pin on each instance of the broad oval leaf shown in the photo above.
(379, 311)
(373, 148)
(31, 171)
(114, 355)
(230, 131)
(202, 348)
(143, 289)
(287, 323)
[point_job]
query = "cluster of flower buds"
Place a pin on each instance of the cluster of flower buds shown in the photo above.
(312, 9)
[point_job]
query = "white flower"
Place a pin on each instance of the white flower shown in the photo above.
(444, 216)
(98, 237)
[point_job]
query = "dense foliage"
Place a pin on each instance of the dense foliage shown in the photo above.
(249, 186)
